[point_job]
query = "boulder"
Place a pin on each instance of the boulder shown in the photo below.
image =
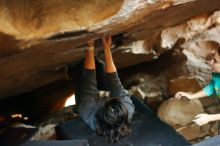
(37, 37)
(179, 112)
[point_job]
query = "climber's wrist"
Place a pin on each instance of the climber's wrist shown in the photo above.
(90, 48)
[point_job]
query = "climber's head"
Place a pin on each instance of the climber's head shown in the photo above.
(112, 120)
(215, 60)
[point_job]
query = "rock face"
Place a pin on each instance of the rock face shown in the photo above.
(172, 38)
(38, 38)
(26, 20)
(193, 131)
(179, 112)
(186, 84)
(183, 111)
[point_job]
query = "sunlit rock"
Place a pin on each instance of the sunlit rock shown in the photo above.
(185, 84)
(193, 131)
(179, 112)
(31, 51)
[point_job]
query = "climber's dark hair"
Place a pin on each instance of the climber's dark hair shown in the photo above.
(112, 120)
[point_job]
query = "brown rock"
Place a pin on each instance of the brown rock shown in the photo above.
(189, 84)
(30, 50)
(208, 101)
(181, 112)
(186, 84)
(40, 102)
(193, 131)
(214, 109)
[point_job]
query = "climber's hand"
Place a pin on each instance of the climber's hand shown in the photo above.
(91, 43)
(107, 42)
(178, 95)
(202, 119)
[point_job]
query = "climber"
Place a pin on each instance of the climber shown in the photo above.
(212, 88)
(111, 117)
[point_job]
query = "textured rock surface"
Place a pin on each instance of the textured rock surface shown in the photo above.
(192, 131)
(179, 112)
(37, 38)
(174, 37)
(185, 84)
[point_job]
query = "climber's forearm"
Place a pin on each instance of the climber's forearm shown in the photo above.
(199, 94)
(214, 117)
(89, 57)
(109, 63)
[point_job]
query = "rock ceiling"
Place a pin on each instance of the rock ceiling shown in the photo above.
(37, 38)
